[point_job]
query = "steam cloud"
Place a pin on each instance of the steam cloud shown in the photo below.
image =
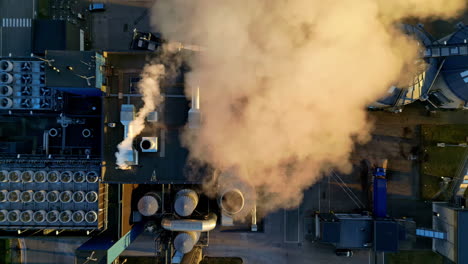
(284, 84)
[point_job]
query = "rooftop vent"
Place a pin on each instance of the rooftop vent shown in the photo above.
(78, 197)
(40, 176)
(3, 176)
(91, 197)
(13, 196)
(53, 176)
(6, 90)
(91, 217)
(3, 215)
(52, 197)
(26, 216)
(13, 216)
(53, 132)
(92, 177)
(232, 201)
(185, 241)
(27, 176)
(186, 202)
(39, 196)
(78, 217)
(66, 176)
(52, 216)
(65, 216)
(3, 196)
(148, 205)
(26, 66)
(6, 103)
(6, 78)
(79, 177)
(149, 144)
(26, 90)
(39, 216)
(14, 176)
(6, 65)
(86, 133)
(26, 78)
(66, 196)
(26, 103)
(27, 196)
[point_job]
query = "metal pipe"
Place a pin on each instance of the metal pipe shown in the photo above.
(208, 224)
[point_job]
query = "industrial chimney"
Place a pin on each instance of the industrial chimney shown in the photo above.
(194, 117)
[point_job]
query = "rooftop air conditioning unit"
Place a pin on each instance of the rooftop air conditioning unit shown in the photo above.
(44, 103)
(91, 197)
(27, 176)
(26, 216)
(6, 90)
(6, 65)
(13, 216)
(52, 197)
(66, 176)
(92, 177)
(3, 196)
(27, 196)
(14, 196)
(78, 176)
(52, 216)
(39, 196)
(40, 176)
(66, 196)
(26, 78)
(44, 91)
(26, 103)
(186, 201)
(39, 216)
(26, 66)
(6, 78)
(26, 90)
(14, 176)
(91, 217)
(53, 176)
(78, 197)
(78, 217)
(6, 103)
(3, 176)
(148, 205)
(65, 216)
(3, 215)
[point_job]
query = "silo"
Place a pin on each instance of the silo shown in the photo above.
(3, 176)
(78, 196)
(66, 196)
(27, 176)
(231, 201)
(3, 196)
(39, 216)
(66, 176)
(53, 196)
(91, 197)
(186, 201)
(52, 216)
(39, 196)
(78, 216)
(27, 196)
(53, 176)
(185, 241)
(79, 177)
(40, 176)
(148, 205)
(26, 216)
(14, 196)
(3, 215)
(92, 176)
(13, 216)
(14, 176)
(91, 217)
(65, 216)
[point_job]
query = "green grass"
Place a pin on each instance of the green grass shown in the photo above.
(221, 260)
(5, 252)
(414, 257)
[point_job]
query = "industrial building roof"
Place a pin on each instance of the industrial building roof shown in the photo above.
(55, 35)
(386, 236)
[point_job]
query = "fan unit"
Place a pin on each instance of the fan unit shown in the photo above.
(42, 79)
(44, 103)
(42, 66)
(6, 78)
(6, 65)
(26, 78)
(5, 103)
(6, 90)
(26, 90)
(44, 91)
(26, 66)
(26, 103)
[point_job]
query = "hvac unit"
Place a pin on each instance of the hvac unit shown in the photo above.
(26, 216)
(39, 196)
(42, 79)
(52, 197)
(6, 90)
(14, 176)
(79, 177)
(6, 65)
(13, 216)
(91, 217)
(13, 196)
(186, 201)
(44, 91)
(26, 79)
(92, 177)
(53, 176)
(44, 103)
(40, 176)
(3, 196)
(78, 217)
(66, 176)
(6, 78)
(27, 176)
(66, 196)
(39, 216)
(148, 205)
(26, 103)
(6, 103)
(26, 90)
(3, 176)
(52, 216)
(3, 215)
(65, 216)
(27, 196)
(91, 197)
(78, 197)
(26, 66)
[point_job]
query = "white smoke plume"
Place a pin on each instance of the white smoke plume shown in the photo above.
(284, 84)
(150, 91)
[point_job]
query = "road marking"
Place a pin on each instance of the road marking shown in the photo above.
(16, 22)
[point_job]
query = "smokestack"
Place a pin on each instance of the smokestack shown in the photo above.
(194, 112)
(127, 115)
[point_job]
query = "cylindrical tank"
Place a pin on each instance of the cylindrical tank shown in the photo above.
(53, 196)
(65, 216)
(14, 196)
(185, 241)
(3, 176)
(5, 103)
(66, 196)
(39, 216)
(91, 197)
(27, 176)
(6, 65)
(148, 205)
(53, 176)
(78, 216)
(39, 196)
(3, 196)
(52, 216)
(14, 176)
(78, 177)
(91, 217)
(13, 216)
(78, 197)
(92, 176)
(6, 78)
(231, 201)
(40, 176)
(27, 196)
(66, 176)
(26, 216)
(3, 215)
(186, 201)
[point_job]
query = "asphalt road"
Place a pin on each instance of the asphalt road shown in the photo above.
(16, 27)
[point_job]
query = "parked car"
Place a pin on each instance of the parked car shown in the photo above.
(95, 7)
(344, 253)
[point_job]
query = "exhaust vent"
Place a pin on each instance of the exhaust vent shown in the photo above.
(6, 78)
(78, 197)
(91, 217)
(52, 197)
(3, 176)
(79, 177)
(3, 215)
(66, 196)
(6, 65)
(14, 176)
(148, 205)
(52, 216)
(39, 196)
(27, 176)
(53, 176)
(185, 241)
(66, 176)
(14, 196)
(26, 216)
(53, 132)
(27, 196)
(78, 217)
(39, 216)
(232, 201)
(13, 216)
(6, 90)
(186, 202)
(40, 176)
(3, 196)
(92, 177)
(149, 144)
(86, 133)
(65, 216)
(91, 197)
(6, 103)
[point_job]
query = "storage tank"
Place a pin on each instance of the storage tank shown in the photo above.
(6, 65)
(148, 205)
(231, 201)
(39, 196)
(52, 216)
(53, 196)
(78, 217)
(14, 176)
(3, 196)
(13, 216)
(78, 196)
(53, 176)
(92, 176)
(27, 196)
(26, 216)
(66, 176)
(40, 176)
(3, 215)
(185, 241)
(27, 176)
(79, 177)
(66, 196)
(39, 216)
(91, 217)
(186, 201)
(65, 216)
(3, 176)
(91, 197)
(14, 196)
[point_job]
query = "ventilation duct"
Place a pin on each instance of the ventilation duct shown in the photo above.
(185, 225)
(14, 196)
(3, 215)
(185, 241)
(39, 216)
(53, 196)
(231, 201)
(78, 197)
(91, 217)
(52, 216)
(91, 197)
(53, 176)
(53, 132)
(13, 216)
(6, 90)
(39, 196)
(40, 176)
(3, 176)
(148, 205)
(6, 78)
(6, 65)
(186, 201)
(78, 217)
(66, 196)
(14, 176)
(3, 196)
(194, 117)
(27, 176)
(27, 196)
(66, 176)
(92, 177)
(26, 216)
(65, 216)
(79, 177)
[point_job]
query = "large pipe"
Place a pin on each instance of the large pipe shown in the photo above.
(185, 241)
(186, 201)
(208, 224)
